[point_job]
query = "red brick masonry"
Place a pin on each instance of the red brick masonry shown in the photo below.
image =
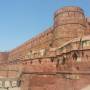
(57, 59)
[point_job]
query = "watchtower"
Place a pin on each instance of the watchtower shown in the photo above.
(69, 23)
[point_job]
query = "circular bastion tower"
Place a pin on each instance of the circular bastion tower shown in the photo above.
(69, 23)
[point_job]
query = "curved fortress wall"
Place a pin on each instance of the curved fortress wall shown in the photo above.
(69, 23)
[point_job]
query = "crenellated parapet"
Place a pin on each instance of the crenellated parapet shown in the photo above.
(58, 58)
(73, 49)
(69, 23)
(66, 36)
(41, 41)
(69, 15)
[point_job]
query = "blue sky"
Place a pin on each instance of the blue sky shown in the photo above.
(22, 19)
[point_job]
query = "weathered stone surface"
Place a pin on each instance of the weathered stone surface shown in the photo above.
(57, 59)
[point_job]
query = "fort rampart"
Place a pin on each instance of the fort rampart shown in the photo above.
(57, 59)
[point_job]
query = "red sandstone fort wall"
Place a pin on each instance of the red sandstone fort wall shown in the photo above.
(44, 40)
(3, 56)
(87, 31)
(69, 23)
